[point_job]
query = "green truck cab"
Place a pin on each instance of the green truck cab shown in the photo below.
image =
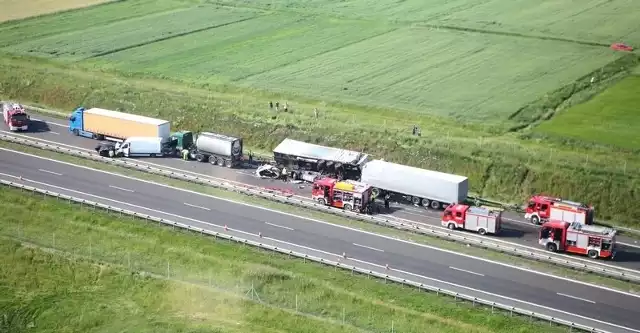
(184, 140)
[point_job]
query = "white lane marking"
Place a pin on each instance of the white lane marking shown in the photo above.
(344, 227)
(466, 271)
(121, 189)
(278, 226)
(463, 287)
(194, 206)
(303, 247)
(368, 247)
(52, 132)
(333, 254)
(124, 203)
(578, 298)
(51, 172)
(629, 245)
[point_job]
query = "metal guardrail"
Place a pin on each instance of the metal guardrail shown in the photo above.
(433, 231)
(305, 256)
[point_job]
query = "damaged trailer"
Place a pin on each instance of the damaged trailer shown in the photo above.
(307, 161)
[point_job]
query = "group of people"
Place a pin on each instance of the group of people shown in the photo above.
(285, 107)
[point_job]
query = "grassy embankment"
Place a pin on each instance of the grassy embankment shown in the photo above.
(89, 271)
(421, 239)
(502, 167)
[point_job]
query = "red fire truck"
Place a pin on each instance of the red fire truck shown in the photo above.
(15, 116)
(348, 194)
(575, 237)
(480, 219)
(543, 208)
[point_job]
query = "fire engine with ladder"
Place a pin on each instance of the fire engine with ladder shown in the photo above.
(544, 208)
(348, 195)
(575, 237)
(482, 220)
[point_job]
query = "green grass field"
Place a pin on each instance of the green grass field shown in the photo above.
(611, 118)
(94, 272)
(466, 75)
(479, 88)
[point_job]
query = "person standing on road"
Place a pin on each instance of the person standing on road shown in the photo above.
(386, 201)
(250, 157)
(185, 154)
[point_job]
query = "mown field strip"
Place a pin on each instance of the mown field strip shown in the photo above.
(105, 39)
(78, 20)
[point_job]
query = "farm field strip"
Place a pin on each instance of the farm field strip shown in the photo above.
(264, 43)
(123, 34)
(588, 21)
(611, 118)
(77, 20)
(20, 9)
(441, 72)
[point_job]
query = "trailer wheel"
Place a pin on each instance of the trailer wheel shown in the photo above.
(415, 200)
(551, 247)
(593, 254)
(435, 204)
(227, 163)
(451, 226)
(425, 203)
(482, 231)
(535, 220)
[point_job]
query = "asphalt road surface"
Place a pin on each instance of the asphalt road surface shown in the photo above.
(601, 307)
(515, 228)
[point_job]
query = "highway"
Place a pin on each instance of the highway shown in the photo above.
(515, 228)
(596, 306)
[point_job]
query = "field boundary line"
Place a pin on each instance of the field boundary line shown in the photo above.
(162, 39)
(591, 266)
(305, 256)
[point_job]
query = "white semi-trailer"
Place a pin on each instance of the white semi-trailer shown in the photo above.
(421, 187)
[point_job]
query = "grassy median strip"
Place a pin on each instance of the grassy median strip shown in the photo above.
(440, 243)
(70, 268)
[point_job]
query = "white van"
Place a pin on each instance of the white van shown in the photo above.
(141, 146)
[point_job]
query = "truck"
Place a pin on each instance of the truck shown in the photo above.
(482, 220)
(15, 116)
(137, 147)
(217, 149)
(419, 186)
(116, 126)
(541, 208)
(184, 140)
(575, 237)
(315, 161)
(348, 194)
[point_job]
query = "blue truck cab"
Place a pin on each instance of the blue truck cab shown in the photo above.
(76, 124)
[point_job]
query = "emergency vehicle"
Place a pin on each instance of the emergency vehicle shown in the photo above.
(15, 116)
(483, 220)
(575, 237)
(543, 208)
(348, 194)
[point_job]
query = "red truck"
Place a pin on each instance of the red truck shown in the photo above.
(348, 194)
(544, 208)
(575, 237)
(483, 220)
(15, 116)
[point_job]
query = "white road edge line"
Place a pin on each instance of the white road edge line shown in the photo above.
(121, 189)
(51, 172)
(194, 206)
(52, 132)
(279, 226)
(578, 298)
(333, 254)
(466, 271)
(334, 225)
(368, 247)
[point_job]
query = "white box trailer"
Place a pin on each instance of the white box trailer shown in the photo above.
(142, 146)
(420, 186)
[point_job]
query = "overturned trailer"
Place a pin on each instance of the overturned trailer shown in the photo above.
(307, 161)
